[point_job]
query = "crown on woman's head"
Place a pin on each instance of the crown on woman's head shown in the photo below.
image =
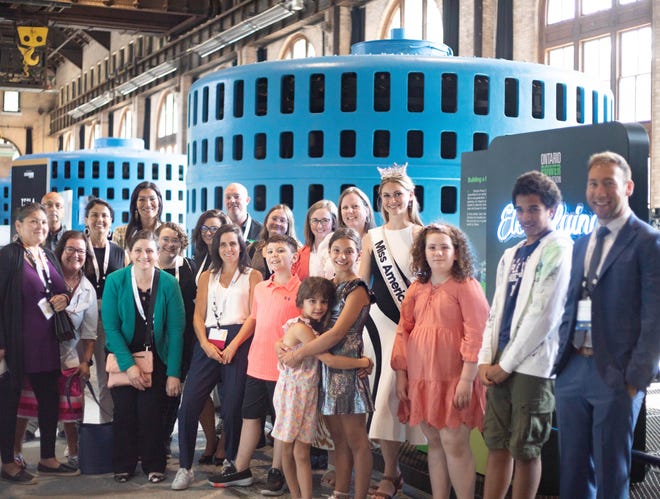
(393, 171)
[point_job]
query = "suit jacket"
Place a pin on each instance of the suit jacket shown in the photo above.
(625, 322)
(118, 314)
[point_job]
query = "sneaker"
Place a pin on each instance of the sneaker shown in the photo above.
(235, 479)
(275, 484)
(227, 467)
(73, 462)
(183, 479)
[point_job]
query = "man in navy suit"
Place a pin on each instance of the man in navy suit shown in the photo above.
(609, 337)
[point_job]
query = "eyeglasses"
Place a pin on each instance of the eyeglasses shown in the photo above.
(70, 250)
(212, 229)
(319, 221)
(170, 240)
(51, 204)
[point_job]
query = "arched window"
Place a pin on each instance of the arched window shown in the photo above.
(68, 144)
(608, 39)
(166, 134)
(94, 133)
(298, 47)
(420, 18)
(126, 124)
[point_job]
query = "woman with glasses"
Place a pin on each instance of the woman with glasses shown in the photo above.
(105, 258)
(207, 225)
(313, 257)
(146, 208)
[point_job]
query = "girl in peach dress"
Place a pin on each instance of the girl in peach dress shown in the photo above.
(443, 316)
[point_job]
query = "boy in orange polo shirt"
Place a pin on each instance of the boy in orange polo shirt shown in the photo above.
(273, 303)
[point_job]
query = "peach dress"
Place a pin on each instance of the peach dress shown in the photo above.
(441, 327)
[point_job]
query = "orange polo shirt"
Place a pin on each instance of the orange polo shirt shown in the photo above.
(272, 305)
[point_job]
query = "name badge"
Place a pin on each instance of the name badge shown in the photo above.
(584, 315)
(218, 337)
(46, 309)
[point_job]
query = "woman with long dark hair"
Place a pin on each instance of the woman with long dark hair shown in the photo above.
(223, 303)
(145, 210)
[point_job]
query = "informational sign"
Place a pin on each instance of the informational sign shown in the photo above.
(487, 177)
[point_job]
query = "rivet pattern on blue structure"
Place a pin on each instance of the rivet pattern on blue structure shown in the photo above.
(300, 130)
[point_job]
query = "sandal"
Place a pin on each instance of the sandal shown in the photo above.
(339, 495)
(156, 477)
(397, 483)
(122, 477)
(328, 478)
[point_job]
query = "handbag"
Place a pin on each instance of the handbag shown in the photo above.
(64, 330)
(116, 377)
(143, 359)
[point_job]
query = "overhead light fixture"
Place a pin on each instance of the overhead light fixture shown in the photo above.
(92, 105)
(248, 27)
(146, 77)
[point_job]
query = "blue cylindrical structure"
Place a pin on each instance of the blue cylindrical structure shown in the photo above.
(296, 131)
(111, 170)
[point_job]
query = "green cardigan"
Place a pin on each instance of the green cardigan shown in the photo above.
(118, 316)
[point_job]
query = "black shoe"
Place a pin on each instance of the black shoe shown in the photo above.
(235, 479)
(62, 470)
(21, 478)
(275, 484)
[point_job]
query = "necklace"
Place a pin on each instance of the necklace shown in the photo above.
(72, 283)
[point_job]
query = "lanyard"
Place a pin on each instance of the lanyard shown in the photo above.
(214, 306)
(106, 261)
(136, 295)
(42, 269)
(248, 226)
(201, 269)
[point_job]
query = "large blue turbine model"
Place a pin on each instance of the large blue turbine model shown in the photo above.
(301, 130)
(111, 170)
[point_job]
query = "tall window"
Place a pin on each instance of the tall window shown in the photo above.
(68, 144)
(11, 102)
(94, 133)
(167, 124)
(609, 40)
(420, 18)
(298, 48)
(126, 124)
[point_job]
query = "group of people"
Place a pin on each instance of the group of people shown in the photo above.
(360, 336)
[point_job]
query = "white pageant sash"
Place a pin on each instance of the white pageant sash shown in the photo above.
(395, 282)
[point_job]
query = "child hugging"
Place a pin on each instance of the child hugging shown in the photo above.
(439, 335)
(296, 393)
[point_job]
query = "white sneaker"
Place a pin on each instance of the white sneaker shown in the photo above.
(183, 479)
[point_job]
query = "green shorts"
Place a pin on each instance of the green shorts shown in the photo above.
(519, 415)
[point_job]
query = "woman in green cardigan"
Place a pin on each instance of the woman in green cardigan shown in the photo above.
(129, 327)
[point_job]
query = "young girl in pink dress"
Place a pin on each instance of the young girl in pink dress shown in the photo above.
(296, 393)
(443, 316)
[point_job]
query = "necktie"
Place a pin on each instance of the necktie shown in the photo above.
(595, 258)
